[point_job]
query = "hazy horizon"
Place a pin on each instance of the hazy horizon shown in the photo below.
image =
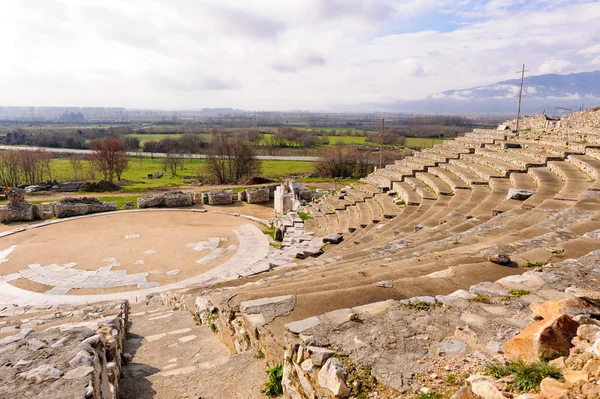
(315, 55)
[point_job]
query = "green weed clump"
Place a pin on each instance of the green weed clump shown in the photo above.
(535, 264)
(273, 388)
(528, 376)
(481, 298)
(305, 216)
(421, 305)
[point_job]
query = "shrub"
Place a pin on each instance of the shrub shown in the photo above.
(527, 375)
(273, 387)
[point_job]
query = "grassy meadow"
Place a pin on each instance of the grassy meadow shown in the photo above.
(140, 168)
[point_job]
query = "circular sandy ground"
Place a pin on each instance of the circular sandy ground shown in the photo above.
(119, 252)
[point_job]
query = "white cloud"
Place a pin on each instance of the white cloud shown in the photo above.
(307, 54)
(554, 66)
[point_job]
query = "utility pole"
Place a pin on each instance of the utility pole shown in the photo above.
(381, 143)
(522, 72)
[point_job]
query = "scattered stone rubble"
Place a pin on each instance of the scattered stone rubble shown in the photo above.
(175, 199)
(64, 353)
(17, 209)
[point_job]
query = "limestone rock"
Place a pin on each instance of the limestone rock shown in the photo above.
(573, 377)
(333, 238)
(464, 393)
(589, 332)
(554, 389)
(571, 306)
(78, 372)
(545, 339)
(519, 194)
(42, 373)
(303, 325)
(332, 376)
(270, 307)
(384, 284)
(500, 259)
(452, 346)
(35, 344)
(485, 389)
(319, 355)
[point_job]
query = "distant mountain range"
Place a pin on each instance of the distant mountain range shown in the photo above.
(543, 92)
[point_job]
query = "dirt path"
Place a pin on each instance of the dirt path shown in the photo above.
(174, 358)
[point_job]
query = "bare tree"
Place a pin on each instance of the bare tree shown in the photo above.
(109, 157)
(10, 168)
(231, 158)
(172, 162)
(76, 166)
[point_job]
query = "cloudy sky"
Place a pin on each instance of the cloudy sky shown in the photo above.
(281, 54)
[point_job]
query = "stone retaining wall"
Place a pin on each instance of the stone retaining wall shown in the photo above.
(17, 209)
(220, 197)
(79, 355)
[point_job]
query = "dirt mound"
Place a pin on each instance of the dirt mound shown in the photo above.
(99, 186)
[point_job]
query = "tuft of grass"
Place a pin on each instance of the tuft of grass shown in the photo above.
(273, 388)
(421, 305)
(528, 376)
(363, 273)
(305, 216)
(481, 298)
(535, 264)
(518, 293)
(429, 395)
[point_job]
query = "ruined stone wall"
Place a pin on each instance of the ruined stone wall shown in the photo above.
(176, 199)
(17, 209)
(68, 207)
(79, 355)
(258, 195)
(220, 197)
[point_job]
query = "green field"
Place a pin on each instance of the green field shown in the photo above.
(421, 142)
(153, 137)
(140, 168)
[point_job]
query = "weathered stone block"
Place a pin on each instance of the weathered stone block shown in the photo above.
(220, 197)
(543, 340)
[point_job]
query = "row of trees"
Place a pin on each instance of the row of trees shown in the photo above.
(347, 161)
(24, 167)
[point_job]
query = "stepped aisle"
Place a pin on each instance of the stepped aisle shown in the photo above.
(174, 358)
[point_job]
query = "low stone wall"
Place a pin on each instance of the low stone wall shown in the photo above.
(176, 199)
(258, 195)
(80, 355)
(220, 197)
(68, 207)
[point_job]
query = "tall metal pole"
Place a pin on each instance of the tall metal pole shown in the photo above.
(381, 143)
(522, 72)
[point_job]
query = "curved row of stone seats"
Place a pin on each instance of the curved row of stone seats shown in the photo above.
(405, 193)
(515, 157)
(437, 156)
(387, 204)
(487, 159)
(333, 223)
(341, 276)
(436, 184)
(452, 180)
(576, 182)
(459, 170)
(483, 172)
(375, 210)
(589, 166)
(421, 188)
(343, 221)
